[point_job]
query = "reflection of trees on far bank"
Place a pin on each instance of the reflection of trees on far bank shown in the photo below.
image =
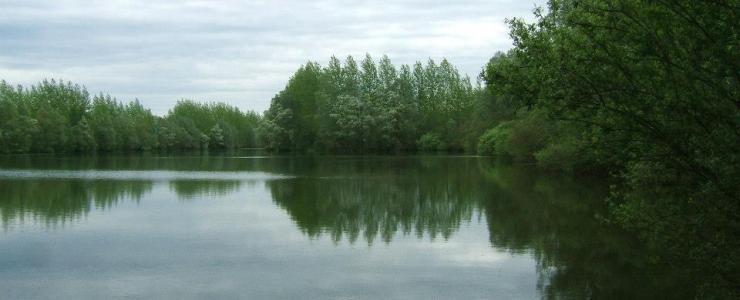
(55, 202)
(557, 219)
(553, 218)
(379, 198)
(369, 207)
(189, 189)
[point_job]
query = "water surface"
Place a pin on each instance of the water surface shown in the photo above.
(252, 227)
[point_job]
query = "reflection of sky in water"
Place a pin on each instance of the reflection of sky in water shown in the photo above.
(335, 227)
(240, 244)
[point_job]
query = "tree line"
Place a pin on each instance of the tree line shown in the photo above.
(54, 116)
(372, 107)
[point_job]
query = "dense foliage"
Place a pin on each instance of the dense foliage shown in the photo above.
(373, 107)
(61, 117)
(649, 91)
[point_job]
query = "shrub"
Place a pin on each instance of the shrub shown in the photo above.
(558, 157)
(494, 140)
(431, 142)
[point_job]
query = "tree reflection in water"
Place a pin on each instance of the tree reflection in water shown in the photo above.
(578, 254)
(193, 189)
(381, 197)
(554, 219)
(56, 202)
(558, 220)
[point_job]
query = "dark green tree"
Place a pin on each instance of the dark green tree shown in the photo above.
(652, 87)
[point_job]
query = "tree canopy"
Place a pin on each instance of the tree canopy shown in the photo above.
(647, 90)
(371, 107)
(55, 116)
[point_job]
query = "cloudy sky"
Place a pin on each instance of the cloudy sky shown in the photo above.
(239, 52)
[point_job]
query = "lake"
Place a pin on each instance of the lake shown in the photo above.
(251, 227)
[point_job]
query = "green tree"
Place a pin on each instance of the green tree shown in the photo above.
(216, 137)
(652, 86)
(375, 107)
(81, 138)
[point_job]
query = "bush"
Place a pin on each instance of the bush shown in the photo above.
(558, 157)
(494, 140)
(520, 138)
(431, 142)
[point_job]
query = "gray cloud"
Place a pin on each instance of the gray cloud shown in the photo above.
(239, 52)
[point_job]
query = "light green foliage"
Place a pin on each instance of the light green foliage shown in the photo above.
(495, 140)
(348, 115)
(519, 138)
(103, 115)
(373, 107)
(139, 123)
(273, 130)
(56, 117)
(198, 121)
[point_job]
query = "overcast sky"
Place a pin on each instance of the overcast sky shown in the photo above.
(239, 52)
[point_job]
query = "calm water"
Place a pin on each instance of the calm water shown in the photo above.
(231, 226)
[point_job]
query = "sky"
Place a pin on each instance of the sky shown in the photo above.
(238, 52)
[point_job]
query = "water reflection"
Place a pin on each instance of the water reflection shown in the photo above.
(551, 219)
(193, 189)
(381, 197)
(578, 255)
(54, 202)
